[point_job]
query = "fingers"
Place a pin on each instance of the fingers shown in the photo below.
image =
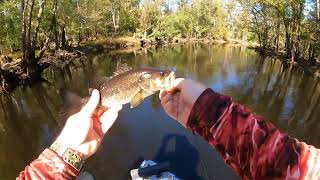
(162, 93)
(99, 111)
(177, 84)
(166, 98)
(92, 104)
(116, 107)
(170, 101)
(109, 117)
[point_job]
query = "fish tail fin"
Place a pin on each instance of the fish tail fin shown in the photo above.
(71, 103)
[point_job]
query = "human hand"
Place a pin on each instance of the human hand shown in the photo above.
(178, 101)
(84, 130)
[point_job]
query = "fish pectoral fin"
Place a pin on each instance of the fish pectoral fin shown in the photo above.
(137, 99)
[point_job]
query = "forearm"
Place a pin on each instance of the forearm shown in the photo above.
(48, 166)
(251, 146)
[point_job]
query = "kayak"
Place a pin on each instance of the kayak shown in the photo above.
(150, 170)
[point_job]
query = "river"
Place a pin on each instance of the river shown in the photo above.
(29, 117)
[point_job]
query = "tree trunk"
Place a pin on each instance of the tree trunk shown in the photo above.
(297, 19)
(53, 20)
(288, 38)
(114, 21)
(24, 6)
(28, 53)
(54, 24)
(311, 54)
(63, 36)
(29, 24)
(297, 44)
(79, 38)
(41, 7)
(265, 37)
(318, 10)
(277, 33)
(115, 16)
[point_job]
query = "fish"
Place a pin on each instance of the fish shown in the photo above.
(126, 85)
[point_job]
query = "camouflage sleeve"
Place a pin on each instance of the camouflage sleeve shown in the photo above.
(48, 166)
(254, 148)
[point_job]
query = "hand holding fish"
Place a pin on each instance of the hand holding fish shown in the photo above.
(84, 130)
(179, 99)
(85, 127)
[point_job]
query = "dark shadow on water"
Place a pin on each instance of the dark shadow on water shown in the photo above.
(181, 154)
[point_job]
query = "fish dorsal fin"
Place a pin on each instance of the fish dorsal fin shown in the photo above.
(96, 82)
(121, 68)
(71, 103)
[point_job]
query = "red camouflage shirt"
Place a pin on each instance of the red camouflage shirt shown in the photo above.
(49, 165)
(255, 149)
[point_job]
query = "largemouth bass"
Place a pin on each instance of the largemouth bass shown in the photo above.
(125, 86)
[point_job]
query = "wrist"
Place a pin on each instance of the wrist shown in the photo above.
(70, 156)
(207, 109)
(66, 143)
(197, 92)
(201, 108)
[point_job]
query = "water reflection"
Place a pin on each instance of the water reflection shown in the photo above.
(29, 117)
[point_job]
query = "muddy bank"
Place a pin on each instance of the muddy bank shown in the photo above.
(15, 72)
(305, 65)
(60, 58)
(131, 43)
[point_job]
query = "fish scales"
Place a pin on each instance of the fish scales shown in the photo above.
(120, 89)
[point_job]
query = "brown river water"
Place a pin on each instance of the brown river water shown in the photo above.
(290, 99)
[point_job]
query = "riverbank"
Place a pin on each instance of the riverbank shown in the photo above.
(12, 75)
(306, 66)
(15, 72)
(127, 44)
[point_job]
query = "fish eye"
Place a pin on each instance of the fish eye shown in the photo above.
(162, 74)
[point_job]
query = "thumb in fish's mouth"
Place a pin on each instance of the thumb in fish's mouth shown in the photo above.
(169, 81)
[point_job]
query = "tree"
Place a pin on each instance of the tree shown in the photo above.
(115, 9)
(150, 11)
(10, 20)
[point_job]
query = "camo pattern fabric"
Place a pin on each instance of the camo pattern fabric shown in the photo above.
(254, 148)
(48, 166)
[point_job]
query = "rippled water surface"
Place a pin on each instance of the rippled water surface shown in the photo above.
(29, 117)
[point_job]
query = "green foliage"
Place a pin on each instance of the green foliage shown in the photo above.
(173, 25)
(10, 24)
(279, 24)
(285, 25)
(199, 20)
